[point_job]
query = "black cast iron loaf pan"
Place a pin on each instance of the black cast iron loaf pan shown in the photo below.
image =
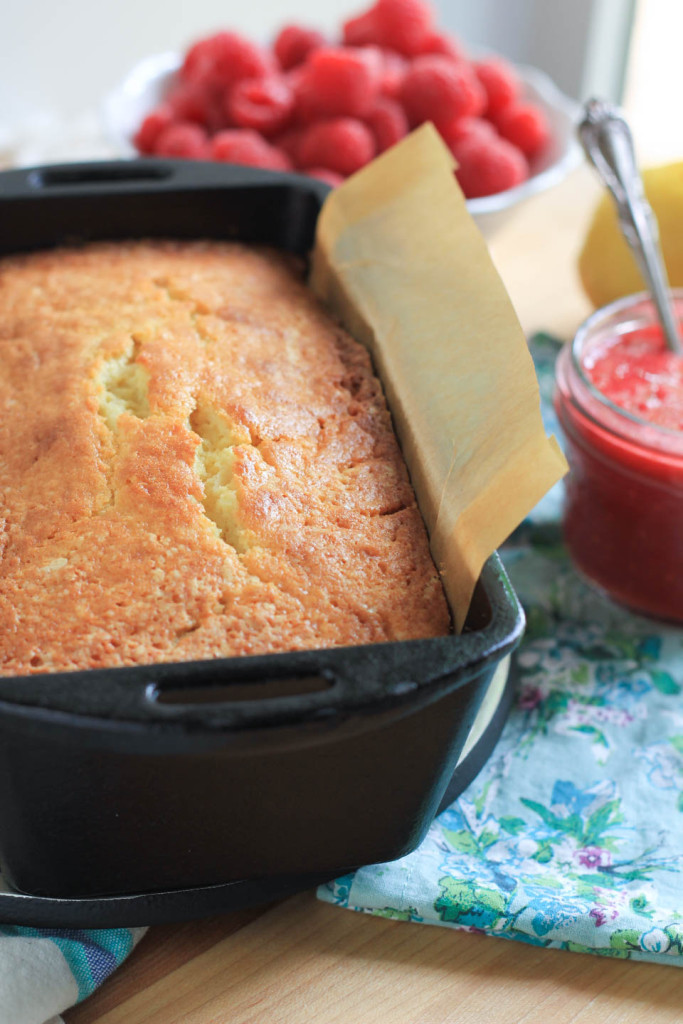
(148, 793)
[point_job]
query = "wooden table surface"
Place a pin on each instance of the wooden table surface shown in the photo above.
(299, 960)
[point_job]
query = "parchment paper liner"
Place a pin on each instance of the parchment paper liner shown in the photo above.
(403, 265)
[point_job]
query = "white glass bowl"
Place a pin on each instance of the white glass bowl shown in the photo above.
(145, 86)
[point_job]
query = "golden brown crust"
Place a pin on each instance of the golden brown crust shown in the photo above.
(195, 461)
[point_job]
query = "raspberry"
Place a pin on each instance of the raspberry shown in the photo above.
(261, 103)
(467, 128)
(244, 146)
(192, 101)
(325, 174)
(294, 43)
(238, 58)
(339, 82)
(387, 122)
(439, 90)
(403, 25)
(488, 165)
(362, 30)
(199, 102)
(440, 42)
(305, 110)
(500, 83)
(224, 59)
(151, 128)
(183, 139)
(525, 127)
(342, 144)
(278, 160)
(217, 115)
(392, 74)
(198, 60)
(289, 142)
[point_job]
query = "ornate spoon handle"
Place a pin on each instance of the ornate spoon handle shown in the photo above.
(606, 138)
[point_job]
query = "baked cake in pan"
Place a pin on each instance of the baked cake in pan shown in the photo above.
(195, 461)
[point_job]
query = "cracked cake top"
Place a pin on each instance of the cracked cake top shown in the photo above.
(195, 461)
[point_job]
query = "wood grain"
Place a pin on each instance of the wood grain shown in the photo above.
(160, 953)
(305, 961)
(300, 960)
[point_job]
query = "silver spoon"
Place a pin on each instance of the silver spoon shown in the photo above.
(606, 138)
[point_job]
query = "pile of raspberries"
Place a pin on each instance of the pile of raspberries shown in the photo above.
(326, 109)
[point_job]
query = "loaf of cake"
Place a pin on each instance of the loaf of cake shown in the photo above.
(195, 461)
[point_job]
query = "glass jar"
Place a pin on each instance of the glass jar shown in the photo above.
(624, 509)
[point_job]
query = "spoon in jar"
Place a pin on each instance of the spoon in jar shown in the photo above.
(607, 141)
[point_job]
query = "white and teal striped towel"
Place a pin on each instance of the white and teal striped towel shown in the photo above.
(44, 971)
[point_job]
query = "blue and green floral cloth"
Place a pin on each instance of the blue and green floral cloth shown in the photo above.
(571, 837)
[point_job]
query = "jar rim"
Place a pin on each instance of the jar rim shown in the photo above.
(605, 313)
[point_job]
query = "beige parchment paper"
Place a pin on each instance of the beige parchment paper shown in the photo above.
(402, 264)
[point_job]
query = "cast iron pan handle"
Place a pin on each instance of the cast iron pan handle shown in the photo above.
(145, 175)
(114, 200)
(239, 695)
(97, 175)
(204, 702)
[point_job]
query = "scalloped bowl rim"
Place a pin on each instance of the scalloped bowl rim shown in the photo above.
(122, 110)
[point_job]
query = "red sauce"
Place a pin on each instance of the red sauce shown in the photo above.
(640, 374)
(624, 509)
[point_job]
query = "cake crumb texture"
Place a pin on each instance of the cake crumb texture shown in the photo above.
(195, 461)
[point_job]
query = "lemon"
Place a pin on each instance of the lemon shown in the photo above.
(606, 266)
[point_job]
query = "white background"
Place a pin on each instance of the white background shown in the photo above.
(60, 58)
(63, 55)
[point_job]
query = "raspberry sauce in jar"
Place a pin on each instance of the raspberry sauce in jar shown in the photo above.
(619, 398)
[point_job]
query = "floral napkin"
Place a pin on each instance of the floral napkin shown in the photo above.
(571, 837)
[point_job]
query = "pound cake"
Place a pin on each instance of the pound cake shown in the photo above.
(196, 461)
